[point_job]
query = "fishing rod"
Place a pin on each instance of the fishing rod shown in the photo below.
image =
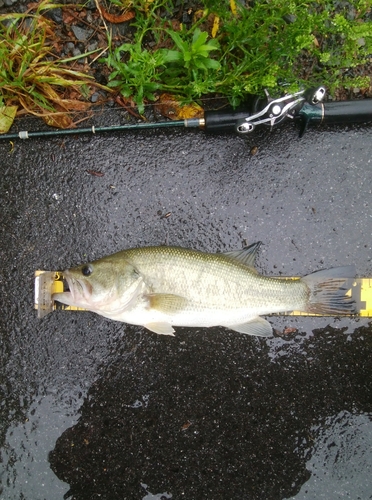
(306, 107)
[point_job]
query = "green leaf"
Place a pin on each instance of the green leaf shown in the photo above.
(178, 40)
(172, 56)
(114, 83)
(212, 64)
(199, 38)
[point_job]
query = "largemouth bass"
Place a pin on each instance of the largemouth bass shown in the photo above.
(161, 287)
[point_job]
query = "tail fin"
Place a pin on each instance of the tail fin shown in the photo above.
(328, 291)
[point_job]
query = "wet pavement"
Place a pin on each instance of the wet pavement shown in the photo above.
(91, 408)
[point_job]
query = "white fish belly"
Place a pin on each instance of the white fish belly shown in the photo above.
(193, 318)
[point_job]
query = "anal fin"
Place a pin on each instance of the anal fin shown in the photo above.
(257, 326)
(161, 328)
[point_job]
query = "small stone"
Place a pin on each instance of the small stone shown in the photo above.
(81, 33)
(55, 15)
(92, 46)
(290, 18)
(91, 5)
(69, 47)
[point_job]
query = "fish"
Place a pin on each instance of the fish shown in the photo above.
(159, 287)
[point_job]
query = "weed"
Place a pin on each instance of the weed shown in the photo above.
(30, 76)
(228, 48)
(260, 45)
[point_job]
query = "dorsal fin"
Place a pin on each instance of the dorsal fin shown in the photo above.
(247, 255)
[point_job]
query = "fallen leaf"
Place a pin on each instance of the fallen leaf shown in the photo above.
(96, 173)
(74, 104)
(7, 115)
(32, 6)
(168, 105)
(288, 330)
(128, 105)
(211, 23)
(186, 425)
(58, 120)
(233, 7)
(116, 19)
(216, 25)
(68, 16)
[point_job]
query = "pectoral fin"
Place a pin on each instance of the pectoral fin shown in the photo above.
(257, 326)
(167, 303)
(161, 328)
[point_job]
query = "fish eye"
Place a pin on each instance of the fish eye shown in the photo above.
(87, 270)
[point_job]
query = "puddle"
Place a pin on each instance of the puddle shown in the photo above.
(24, 466)
(341, 459)
(252, 404)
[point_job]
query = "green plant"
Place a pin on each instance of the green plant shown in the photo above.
(138, 71)
(137, 76)
(189, 68)
(292, 44)
(270, 44)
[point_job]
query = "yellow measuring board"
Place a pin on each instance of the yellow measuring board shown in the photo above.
(49, 282)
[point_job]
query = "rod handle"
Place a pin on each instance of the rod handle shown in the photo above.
(224, 120)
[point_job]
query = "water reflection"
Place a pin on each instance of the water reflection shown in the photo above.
(222, 418)
(25, 471)
(341, 459)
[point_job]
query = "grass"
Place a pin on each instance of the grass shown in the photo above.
(31, 76)
(225, 48)
(233, 50)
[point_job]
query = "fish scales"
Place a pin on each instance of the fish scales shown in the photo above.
(214, 280)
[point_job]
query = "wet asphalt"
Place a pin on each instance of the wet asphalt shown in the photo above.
(91, 408)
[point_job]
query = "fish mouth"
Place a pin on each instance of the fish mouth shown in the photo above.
(79, 290)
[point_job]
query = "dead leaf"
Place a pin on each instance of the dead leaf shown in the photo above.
(186, 425)
(210, 24)
(7, 115)
(116, 19)
(58, 120)
(68, 16)
(170, 106)
(74, 104)
(96, 173)
(288, 330)
(32, 6)
(233, 7)
(216, 25)
(128, 105)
